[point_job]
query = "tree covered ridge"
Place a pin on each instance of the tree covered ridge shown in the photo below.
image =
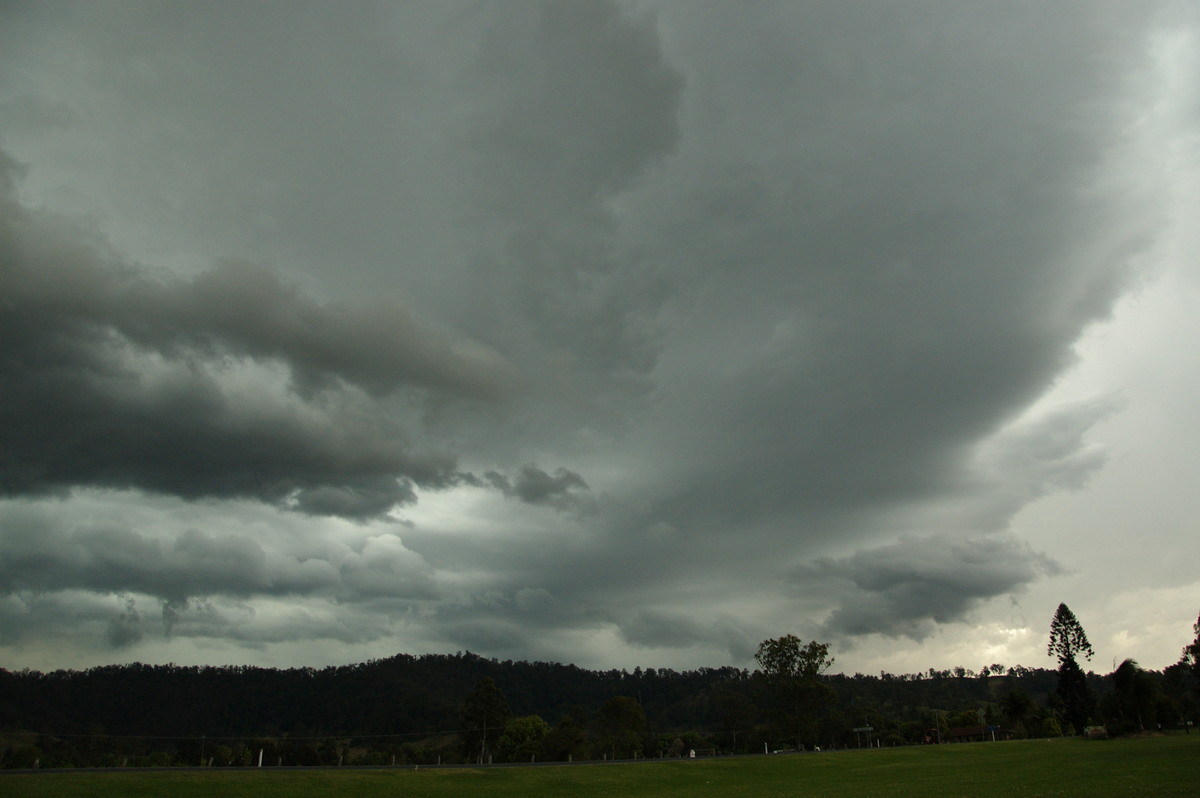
(464, 707)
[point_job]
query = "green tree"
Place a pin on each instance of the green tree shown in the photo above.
(485, 712)
(791, 671)
(1136, 694)
(567, 740)
(734, 711)
(522, 739)
(1017, 706)
(1051, 727)
(622, 721)
(1191, 657)
(1068, 640)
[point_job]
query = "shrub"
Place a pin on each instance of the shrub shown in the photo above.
(1051, 728)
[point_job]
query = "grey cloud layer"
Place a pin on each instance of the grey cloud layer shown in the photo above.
(580, 104)
(42, 552)
(907, 587)
(899, 261)
(748, 286)
(561, 489)
(118, 378)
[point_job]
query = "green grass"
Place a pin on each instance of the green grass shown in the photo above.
(1152, 766)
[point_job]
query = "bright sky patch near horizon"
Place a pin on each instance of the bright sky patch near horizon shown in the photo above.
(614, 333)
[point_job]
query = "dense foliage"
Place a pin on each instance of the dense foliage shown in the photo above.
(463, 708)
(791, 671)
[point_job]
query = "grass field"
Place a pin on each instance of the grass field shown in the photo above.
(1152, 766)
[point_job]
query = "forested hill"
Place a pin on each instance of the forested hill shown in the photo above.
(458, 708)
(399, 695)
(412, 695)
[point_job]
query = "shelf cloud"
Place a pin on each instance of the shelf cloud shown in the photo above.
(621, 333)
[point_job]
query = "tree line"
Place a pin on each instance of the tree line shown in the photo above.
(463, 708)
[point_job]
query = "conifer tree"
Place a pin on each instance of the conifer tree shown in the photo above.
(1067, 640)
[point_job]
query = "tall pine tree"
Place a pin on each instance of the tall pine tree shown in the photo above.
(1068, 640)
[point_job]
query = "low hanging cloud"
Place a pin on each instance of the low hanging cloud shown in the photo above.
(562, 490)
(125, 629)
(678, 296)
(659, 629)
(907, 588)
(588, 109)
(119, 378)
(245, 309)
(879, 278)
(162, 578)
(42, 551)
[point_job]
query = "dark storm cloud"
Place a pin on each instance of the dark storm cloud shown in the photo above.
(42, 551)
(774, 282)
(239, 309)
(896, 264)
(656, 629)
(512, 621)
(108, 621)
(578, 103)
(246, 309)
(905, 588)
(533, 485)
(125, 629)
(122, 621)
(370, 497)
(118, 378)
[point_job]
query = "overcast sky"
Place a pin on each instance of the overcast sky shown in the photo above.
(614, 333)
